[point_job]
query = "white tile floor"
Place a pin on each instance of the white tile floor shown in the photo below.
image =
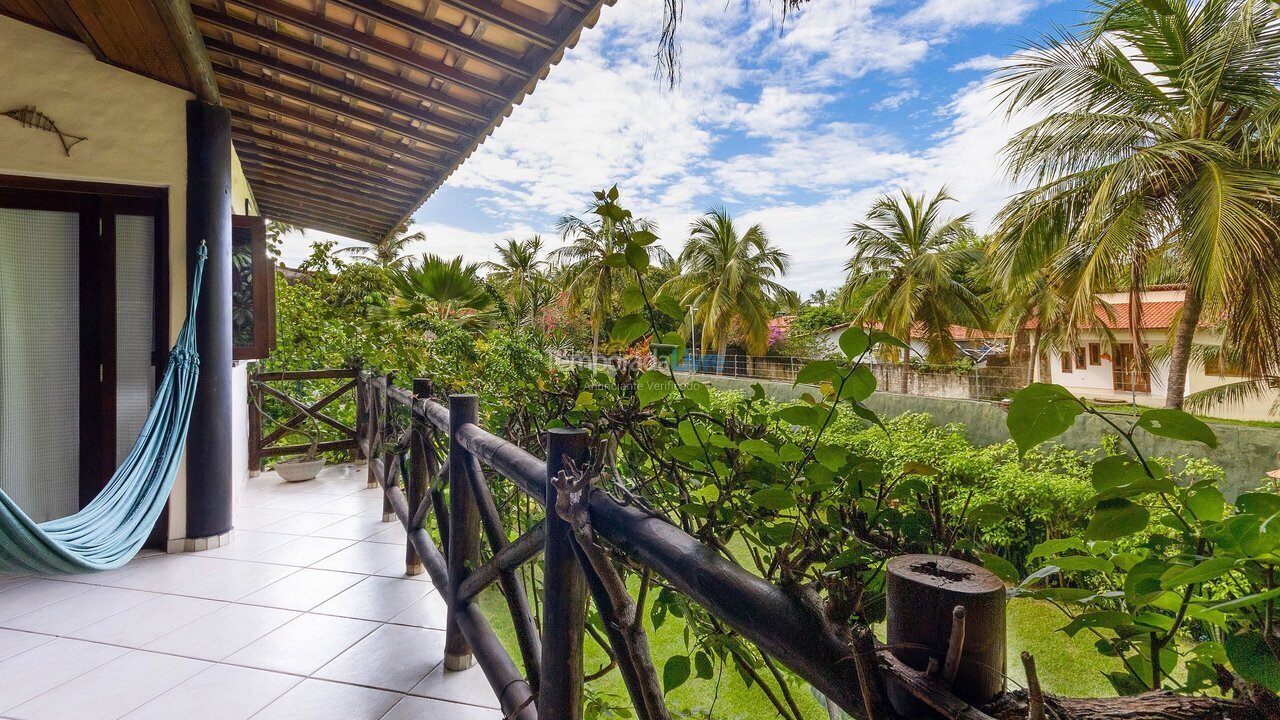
(306, 614)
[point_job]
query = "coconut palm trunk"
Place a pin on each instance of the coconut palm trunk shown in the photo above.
(1036, 351)
(1180, 357)
(906, 371)
(722, 355)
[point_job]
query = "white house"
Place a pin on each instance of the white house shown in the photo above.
(977, 344)
(1100, 368)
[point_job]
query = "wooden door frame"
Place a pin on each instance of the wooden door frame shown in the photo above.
(98, 204)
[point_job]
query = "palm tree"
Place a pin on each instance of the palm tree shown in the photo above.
(518, 266)
(389, 252)
(1158, 147)
(444, 290)
(728, 282)
(905, 272)
(583, 265)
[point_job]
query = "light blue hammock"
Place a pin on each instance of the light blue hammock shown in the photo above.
(109, 531)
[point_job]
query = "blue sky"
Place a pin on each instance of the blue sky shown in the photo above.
(797, 126)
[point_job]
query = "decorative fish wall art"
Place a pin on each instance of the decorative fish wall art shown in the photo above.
(30, 117)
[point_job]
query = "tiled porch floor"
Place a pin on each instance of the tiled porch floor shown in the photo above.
(307, 614)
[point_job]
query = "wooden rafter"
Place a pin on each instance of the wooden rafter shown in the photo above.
(380, 142)
(395, 15)
(241, 130)
(375, 45)
(412, 110)
(376, 163)
(263, 35)
(275, 172)
(374, 119)
(320, 172)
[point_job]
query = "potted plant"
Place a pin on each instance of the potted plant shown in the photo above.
(310, 463)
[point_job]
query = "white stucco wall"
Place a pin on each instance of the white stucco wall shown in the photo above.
(1096, 381)
(136, 130)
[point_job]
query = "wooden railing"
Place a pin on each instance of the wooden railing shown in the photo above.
(945, 655)
(407, 463)
(261, 387)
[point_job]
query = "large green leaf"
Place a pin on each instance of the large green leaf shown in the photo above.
(774, 497)
(628, 328)
(652, 386)
(674, 673)
(858, 384)
(1041, 412)
(1178, 425)
(1253, 659)
(1001, 567)
(698, 393)
(1116, 518)
(810, 416)
(853, 342)
(1110, 619)
(1200, 572)
(815, 372)
(637, 257)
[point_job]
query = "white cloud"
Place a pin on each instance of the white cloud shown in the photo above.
(779, 110)
(948, 15)
(896, 100)
(807, 169)
(981, 62)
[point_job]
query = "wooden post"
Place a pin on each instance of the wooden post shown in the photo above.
(464, 528)
(388, 452)
(564, 592)
(373, 401)
(419, 475)
(925, 595)
(255, 428)
(362, 389)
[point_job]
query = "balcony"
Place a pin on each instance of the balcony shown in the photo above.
(306, 614)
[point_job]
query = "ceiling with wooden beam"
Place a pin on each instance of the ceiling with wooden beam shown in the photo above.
(347, 114)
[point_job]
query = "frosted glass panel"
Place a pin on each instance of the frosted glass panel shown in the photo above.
(135, 377)
(40, 361)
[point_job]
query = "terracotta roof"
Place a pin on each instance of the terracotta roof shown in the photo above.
(958, 332)
(1155, 315)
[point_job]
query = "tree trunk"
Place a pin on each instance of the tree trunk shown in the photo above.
(1148, 706)
(906, 370)
(1181, 355)
(1035, 354)
(724, 352)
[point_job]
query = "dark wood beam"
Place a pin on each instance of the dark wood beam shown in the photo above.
(396, 16)
(491, 12)
(313, 222)
(310, 204)
(375, 45)
(375, 119)
(413, 110)
(240, 132)
(62, 14)
(187, 40)
(340, 142)
(306, 208)
(340, 203)
(320, 171)
(293, 176)
(382, 143)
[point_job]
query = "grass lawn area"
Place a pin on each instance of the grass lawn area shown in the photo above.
(1068, 666)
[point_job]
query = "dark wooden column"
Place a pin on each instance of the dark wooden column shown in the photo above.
(209, 220)
(564, 591)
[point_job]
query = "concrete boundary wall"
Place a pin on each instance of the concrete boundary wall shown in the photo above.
(1246, 453)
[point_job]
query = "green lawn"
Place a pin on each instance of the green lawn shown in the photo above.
(1068, 666)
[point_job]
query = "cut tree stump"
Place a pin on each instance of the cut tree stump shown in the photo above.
(923, 593)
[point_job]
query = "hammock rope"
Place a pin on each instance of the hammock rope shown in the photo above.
(112, 528)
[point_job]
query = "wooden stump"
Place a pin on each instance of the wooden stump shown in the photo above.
(923, 592)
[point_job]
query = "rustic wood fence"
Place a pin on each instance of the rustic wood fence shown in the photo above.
(264, 385)
(945, 651)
